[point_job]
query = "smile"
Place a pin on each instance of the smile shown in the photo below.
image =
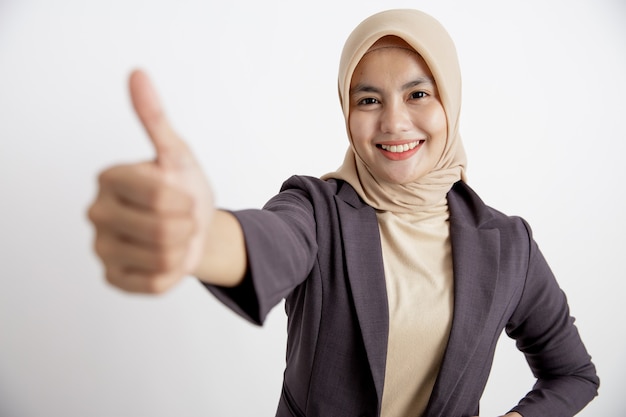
(400, 148)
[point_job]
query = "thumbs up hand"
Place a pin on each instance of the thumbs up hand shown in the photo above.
(152, 218)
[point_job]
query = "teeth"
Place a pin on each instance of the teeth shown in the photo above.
(400, 148)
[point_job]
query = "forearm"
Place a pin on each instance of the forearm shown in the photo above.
(224, 257)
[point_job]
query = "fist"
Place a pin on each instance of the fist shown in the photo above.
(151, 218)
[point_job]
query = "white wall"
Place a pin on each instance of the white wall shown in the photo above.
(252, 86)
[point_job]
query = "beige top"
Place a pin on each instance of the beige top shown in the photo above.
(418, 271)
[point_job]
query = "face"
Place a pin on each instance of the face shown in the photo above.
(396, 121)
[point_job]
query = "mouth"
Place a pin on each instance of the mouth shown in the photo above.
(400, 148)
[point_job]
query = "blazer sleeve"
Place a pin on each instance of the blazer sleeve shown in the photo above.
(545, 332)
(281, 249)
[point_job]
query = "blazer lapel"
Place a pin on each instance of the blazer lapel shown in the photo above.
(475, 253)
(366, 279)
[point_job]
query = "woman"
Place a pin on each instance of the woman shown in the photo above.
(398, 280)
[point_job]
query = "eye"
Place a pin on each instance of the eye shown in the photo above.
(418, 94)
(367, 100)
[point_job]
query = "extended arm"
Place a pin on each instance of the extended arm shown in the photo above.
(155, 221)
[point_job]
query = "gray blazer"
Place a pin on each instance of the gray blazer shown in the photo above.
(317, 245)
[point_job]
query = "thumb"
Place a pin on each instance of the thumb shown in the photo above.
(171, 151)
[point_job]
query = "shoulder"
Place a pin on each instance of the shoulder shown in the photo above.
(317, 190)
(309, 183)
(468, 209)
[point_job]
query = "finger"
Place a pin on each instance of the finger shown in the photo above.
(143, 186)
(141, 227)
(154, 233)
(147, 229)
(171, 151)
(118, 253)
(140, 282)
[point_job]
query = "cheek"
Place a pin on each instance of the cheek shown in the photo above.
(357, 127)
(436, 121)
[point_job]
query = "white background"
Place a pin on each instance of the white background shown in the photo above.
(252, 86)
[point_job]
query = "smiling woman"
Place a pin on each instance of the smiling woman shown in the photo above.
(397, 279)
(395, 113)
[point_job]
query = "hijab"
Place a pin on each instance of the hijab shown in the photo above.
(433, 43)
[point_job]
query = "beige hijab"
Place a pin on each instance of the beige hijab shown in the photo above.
(428, 37)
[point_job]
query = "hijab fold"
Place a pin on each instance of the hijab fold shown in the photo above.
(433, 43)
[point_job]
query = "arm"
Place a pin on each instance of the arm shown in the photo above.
(281, 251)
(545, 332)
(155, 221)
(224, 257)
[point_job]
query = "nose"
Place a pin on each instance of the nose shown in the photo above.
(395, 118)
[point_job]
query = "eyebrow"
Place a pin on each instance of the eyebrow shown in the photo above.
(365, 88)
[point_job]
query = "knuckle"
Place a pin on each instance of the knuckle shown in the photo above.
(95, 213)
(165, 261)
(158, 195)
(114, 277)
(173, 231)
(140, 282)
(161, 233)
(101, 247)
(106, 177)
(92, 214)
(157, 284)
